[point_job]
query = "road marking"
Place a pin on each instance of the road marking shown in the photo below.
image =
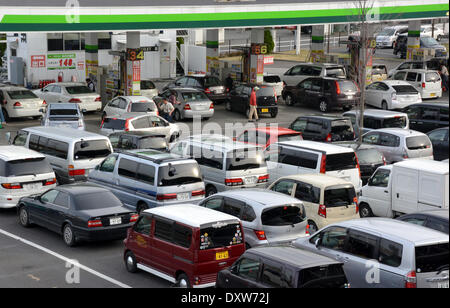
(67, 260)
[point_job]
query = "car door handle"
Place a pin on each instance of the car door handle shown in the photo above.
(386, 191)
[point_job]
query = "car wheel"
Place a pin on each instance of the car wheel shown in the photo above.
(24, 218)
(323, 106)
(228, 106)
(247, 246)
(289, 100)
(176, 115)
(130, 262)
(68, 235)
(274, 113)
(365, 210)
(183, 281)
(210, 190)
(384, 105)
(312, 227)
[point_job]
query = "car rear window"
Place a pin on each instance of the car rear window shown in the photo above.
(63, 112)
(290, 137)
(344, 161)
(325, 276)
(91, 149)
(338, 72)
(369, 156)
(336, 197)
(21, 94)
(118, 124)
(97, 200)
(272, 79)
(342, 130)
(432, 77)
(432, 258)
(220, 235)
(179, 174)
(245, 159)
(79, 90)
(147, 85)
(143, 107)
(194, 96)
(405, 89)
(212, 82)
(23, 167)
(347, 86)
(153, 143)
(395, 122)
(283, 215)
(265, 91)
(418, 143)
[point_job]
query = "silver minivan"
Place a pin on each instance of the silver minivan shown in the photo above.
(385, 253)
(267, 217)
(72, 153)
(143, 179)
(225, 164)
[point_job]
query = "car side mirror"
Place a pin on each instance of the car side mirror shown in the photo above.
(234, 269)
(83, 110)
(318, 242)
(42, 110)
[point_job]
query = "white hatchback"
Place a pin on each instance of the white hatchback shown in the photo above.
(132, 105)
(391, 94)
(18, 102)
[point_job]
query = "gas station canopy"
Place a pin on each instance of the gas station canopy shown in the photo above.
(100, 15)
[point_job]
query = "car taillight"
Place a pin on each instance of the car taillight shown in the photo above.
(263, 179)
(12, 186)
(95, 223)
(394, 96)
(187, 107)
(384, 161)
(405, 154)
(423, 85)
(75, 100)
(98, 99)
(75, 172)
(134, 217)
(207, 91)
(411, 280)
(261, 235)
(307, 230)
(338, 88)
(211, 106)
(17, 104)
(50, 182)
(329, 138)
(127, 125)
(355, 201)
(166, 197)
(198, 193)
(323, 164)
(234, 182)
(322, 211)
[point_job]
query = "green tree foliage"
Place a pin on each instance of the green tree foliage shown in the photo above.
(268, 40)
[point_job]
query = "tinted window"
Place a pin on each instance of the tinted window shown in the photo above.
(144, 225)
(163, 230)
(411, 76)
(214, 204)
(335, 197)
(212, 82)
(248, 268)
(49, 196)
(127, 168)
(62, 200)
(342, 161)
(432, 258)
(146, 173)
(271, 276)
(332, 238)
(335, 72)
(430, 113)
(28, 166)
(79, 90)
(299, 125)
(63, 112)
(389, 140)
(405, 89)
(109, 164)
(283, 215)
(298, 158)
(326, 276)
(395, 122)
(232, 207)
(57, 148)
(182, 236)
(307, 193)
(179, 174)
(248, 214)
(21, 94)
(265, 91)
(418, 142)
(147, 85)
(245, 159)
(215, 237)
(143, 107)
(390, 253)
(362, 245)
(91, 149)
(272, 79)
(97, 200)
(284, 187)
(117, 124)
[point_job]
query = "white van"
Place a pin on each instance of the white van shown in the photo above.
(300, 157)
(427, 82)
(72, 153)
(23, 173)
(405, 187)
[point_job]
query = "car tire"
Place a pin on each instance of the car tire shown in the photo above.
(69, 236)
(176, 115)
(24, 217)
(289, 100)
(210, 190)
(324, 106)
(130, 262)
(365, 210)
(312, 227)
(384, 105)
(274, 113)
(183, 281)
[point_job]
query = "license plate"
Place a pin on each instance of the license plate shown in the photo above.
(350, 97)
(222, 255)
(34, 186)
(115, 221)
(183, 196)
(251, 180)
(443, 285)
(432, 94)
(264, 110)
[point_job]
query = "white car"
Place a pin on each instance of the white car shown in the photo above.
(136, 105)
(388, 36)
(391, 94)
(71, 92)
(427, 30)
(18, 102)
(275, 82)
(427, 82)
(148, 89)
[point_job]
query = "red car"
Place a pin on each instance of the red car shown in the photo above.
(265, 136)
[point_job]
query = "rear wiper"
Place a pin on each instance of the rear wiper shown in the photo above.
(442, 268)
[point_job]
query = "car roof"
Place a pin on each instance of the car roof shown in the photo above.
(260, 197)
(68, 83)
(81, 188)
(156, 156)
(434, 166)
(139, 134)
(279, 131)
(354, 145)
(320, 64)
(399, 131)
(64, 133)
(318, 146)
(191, 214)
(319, 180)
(13, 88)
(439, 213)
(292, 256)
(220, 142)
(138, 99)
(130, 115)
(184, 89)
(416, 234)
(395, 82)
(62, 106)
(324, 117)
(419, 70)
(12, 152)
(377, 113)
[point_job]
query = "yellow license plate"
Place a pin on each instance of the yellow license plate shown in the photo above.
(432, 94)
(222, 255)
(264, 110)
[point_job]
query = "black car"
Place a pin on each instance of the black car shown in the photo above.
(439, 139)
(266, 100)
(79, 212)
(401, 47)
(433, 219)
(282, 267)
(425, 117)
(324, 128)
(213, 87)
(369, 159)
(134, 140)
(324, 93)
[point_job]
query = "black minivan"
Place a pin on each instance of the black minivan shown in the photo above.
(266, 100)
(324, 128)
(282, 267)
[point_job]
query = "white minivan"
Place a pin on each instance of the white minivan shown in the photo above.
(72, 153)
(23, 173)
(427, 82)
(300, 157)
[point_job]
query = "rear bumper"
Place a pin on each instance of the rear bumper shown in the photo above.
(266, 109)
(8, 201)
(400, 105)
(218, 97)
(25, 112)
(103, 233)
(190, 114)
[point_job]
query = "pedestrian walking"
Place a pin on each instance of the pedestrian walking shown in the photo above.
(229, 83)
(90, 84)
(444, 76)
(253, 111)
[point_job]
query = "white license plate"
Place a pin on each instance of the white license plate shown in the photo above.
(443, 285)
(183, 196)
(30, 187)
(115, 221)
(350, 97)
(251, 180)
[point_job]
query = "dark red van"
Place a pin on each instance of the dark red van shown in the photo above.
(184, 244)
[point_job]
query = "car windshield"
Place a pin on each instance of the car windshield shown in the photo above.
(336, 197)
(369, 156)
(194, 96)
(337, 72)
(95, 201)
(79, 90)
(418, 143)
(91, 149)
(284, 215)
(265, 91)
(325, 276)
(143, 107)
(428, 41)
(220, 235)
(21, 94)
(245, 159)
(21, 167)
(432, 258)
(395, 122)
(147, 85)
(150, 142)
(405, 89)
(344, 161)
(272, 79)
(179, 174)
(387, 32)
(116, 124)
